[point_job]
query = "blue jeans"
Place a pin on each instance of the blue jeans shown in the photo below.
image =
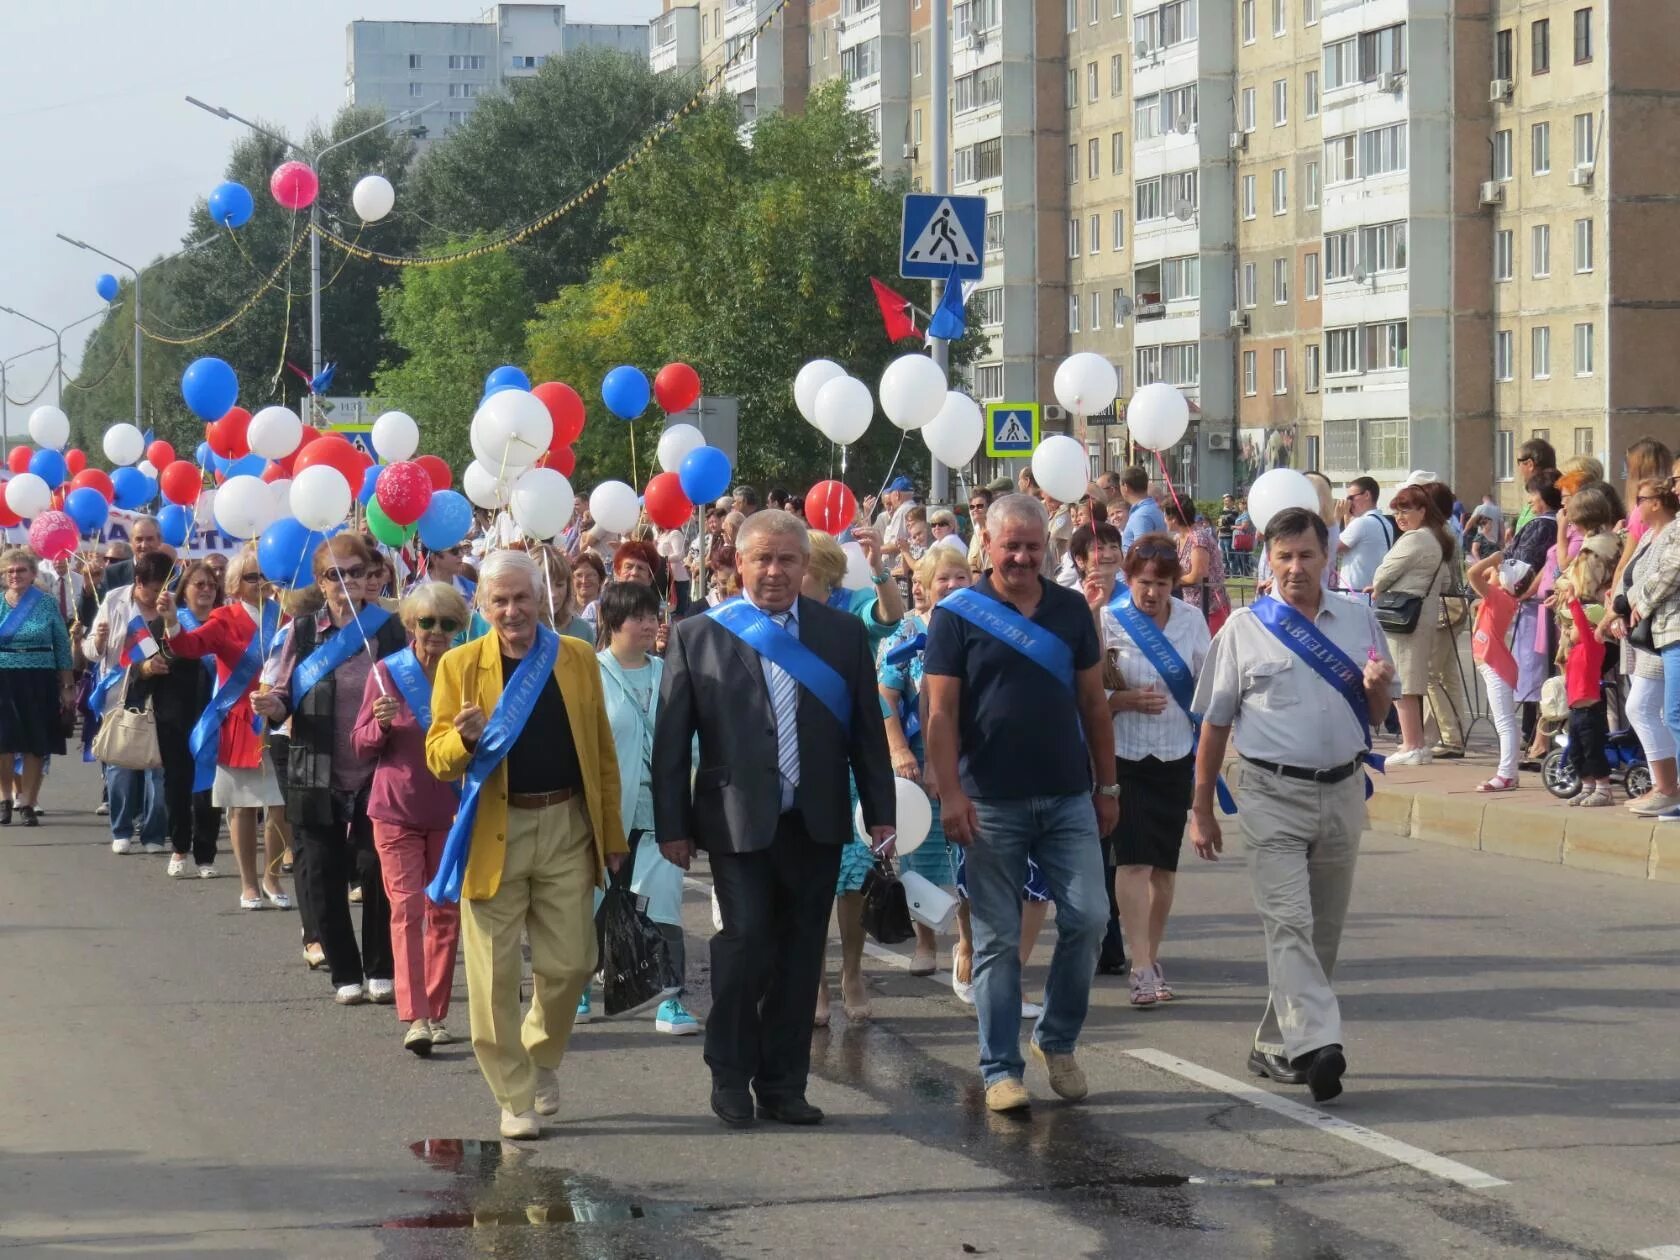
(1671, 688)
(1060, 834)
(137, 794)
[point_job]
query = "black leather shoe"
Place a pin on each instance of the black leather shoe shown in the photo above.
(794, 1110)
(1324, 1072)
(1275, 1067)
(733, 1106)
(1111, 965)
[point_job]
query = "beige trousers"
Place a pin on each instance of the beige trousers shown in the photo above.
(1303, 841)
(547, 893)
(1446, 686)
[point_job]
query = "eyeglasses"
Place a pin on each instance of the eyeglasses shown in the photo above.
(113, 559)
(355, 573)
(447, 624)
(249, 579)
(22, 568)
(1648, 498)
(207, 584)
(979, 505)
(1155, 551)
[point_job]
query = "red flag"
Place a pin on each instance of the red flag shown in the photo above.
(895, 313)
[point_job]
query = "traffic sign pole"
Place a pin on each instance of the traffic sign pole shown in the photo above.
(939, 486)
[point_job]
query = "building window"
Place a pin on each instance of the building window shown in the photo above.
(1341, 445)
(989, 302)
(1280, 102)
(1310, 94)
(1583, 245)
(1341, 159)
(1119, 307)
(1540, 353)
(1540, 46)
(1146, 200)
(1583, 441)
(1311, 362)
(916, 127)
(1249, 112)
(1073, 312)
(1072, 88)
(1366, 348)
(1248, 21)
(1093, 158)
(1540, 247)
(1502, 254)
(1119, 230)
(1116, 76)
(1312, 182)
(1073, 163)
(916, 58)
(1248, 197)
(1181, 279)
(1341, 63)
(1251, 386)
(1280, 371)
(1309, 266)
(466, 61)
(414, 91)
(988, 381)
(1072, 16)
(1117, 156)
(994, 232)
(1073, 237)
(1309, 12)
(1583, 35)
(1382, 150)
(415, 61)
(1387, 443)
(1504, 455)
(1503, 355)
(1096, 312)
(1280, 281)
(1586, 140)
(1280, 190)
(1096, 233)
(1502, 154)
(1179, 109)
(1119, 8)
(1279, 26)
(1250, 286)
(1146, 117)
(1583, 349)
(1382, 52)
(1541, 147)
(1095, 10)
(1093, 81)
(1504, 63)
(1381, 248)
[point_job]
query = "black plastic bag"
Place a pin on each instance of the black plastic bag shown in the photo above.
(634, 956)
(886, 909)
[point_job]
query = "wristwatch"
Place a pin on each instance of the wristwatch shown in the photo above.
(880, 579)
(1111, 790)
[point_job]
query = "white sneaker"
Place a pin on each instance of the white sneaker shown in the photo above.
(120, 845)
(1411, 757)
(522, 1127)
(207, 872)
(154, 848)
(177, 866)
(441, 1036)
(350, 995)
(547, 1097)
(104, 810)
(1030, 1010)
(382, 991)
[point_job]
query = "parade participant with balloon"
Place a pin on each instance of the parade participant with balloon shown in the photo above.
(36, 685)
(226, 742)
(411, 810)
(181, 688)
(1201, 567)
(317, 681)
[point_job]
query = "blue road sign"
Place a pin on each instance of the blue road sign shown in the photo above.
(938, 231)
(1012, 430)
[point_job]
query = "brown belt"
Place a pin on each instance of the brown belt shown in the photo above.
(540, 800)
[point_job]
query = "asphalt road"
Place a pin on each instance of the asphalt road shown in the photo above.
(173, 1082)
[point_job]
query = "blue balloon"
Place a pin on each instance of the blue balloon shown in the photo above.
(506, 377)
(209, 387)
(446, 520)
(87, 507)
(175, 524)
(106, 286)
(231, 206)
(285, 551)
(50, 467)
(133, 488)
(626, 392)
(370, 482)
(205, 458)
(246, 466)
(704, 474)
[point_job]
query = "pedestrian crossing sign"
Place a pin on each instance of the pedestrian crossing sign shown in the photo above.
(1012, 430)
(938, 233)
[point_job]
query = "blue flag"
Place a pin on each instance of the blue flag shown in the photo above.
(949, 322)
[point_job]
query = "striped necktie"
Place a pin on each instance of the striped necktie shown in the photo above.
(784, 700)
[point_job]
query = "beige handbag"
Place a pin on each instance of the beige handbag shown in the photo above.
(127, 737)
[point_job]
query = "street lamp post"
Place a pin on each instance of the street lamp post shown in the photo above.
(135, 272)
(5, 417)
(58, 340)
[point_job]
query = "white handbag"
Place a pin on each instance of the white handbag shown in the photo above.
(930, 905)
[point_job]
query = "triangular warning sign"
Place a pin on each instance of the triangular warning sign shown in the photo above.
(943, 240)
(1013, 433)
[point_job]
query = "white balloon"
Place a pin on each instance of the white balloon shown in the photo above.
(483, 487)
(675, 444)
(204, 511)
(808, 384)
(496, 461)
(319, 497)
(373, 198)
(954, 434)
(542, 502)
(1086, 383)
(28, 495)
(280, 488)
(858, 572)
(915, 818)
(511, 430)
(913, 390)
(1157, 416)
(124, 444)
(395, 436)
(1061, 468)
(274, 432)
(844, 409)
(245, 506)
(615, 507)
(150, 469)
(50, 428)
(1276, 490)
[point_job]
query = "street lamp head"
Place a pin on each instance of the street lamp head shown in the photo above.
(70, 240)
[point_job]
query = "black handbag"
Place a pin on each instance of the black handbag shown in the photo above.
(1638, 632)
(886, 909)
(1398, 614)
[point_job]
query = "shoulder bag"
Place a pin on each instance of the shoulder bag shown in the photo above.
(127, 737)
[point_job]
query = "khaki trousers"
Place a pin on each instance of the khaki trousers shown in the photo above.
(547, 893)
(1303, 841)
(1446, 685)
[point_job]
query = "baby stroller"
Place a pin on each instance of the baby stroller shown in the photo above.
(1622, 750)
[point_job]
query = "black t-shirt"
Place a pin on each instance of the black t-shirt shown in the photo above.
(543, 758)
(1227, 524)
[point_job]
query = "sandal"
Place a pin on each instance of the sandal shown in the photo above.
(1596, 799)
(1499, 783)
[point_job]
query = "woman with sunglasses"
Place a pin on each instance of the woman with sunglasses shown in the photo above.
(411, 810)
(239, 635)
(318, 679)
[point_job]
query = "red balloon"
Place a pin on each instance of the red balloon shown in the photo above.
(181, 482)
(404, 489)
(437, 470)
(75, 459)
(95, 479)
(310, 434)
(667, 505)
(566, 409)
(227, 435)
(161, 454)
(831, 506)
(274, 472)
(8, 518)
(563, 459)
(18, 459)
(333, 451)
(677, 387)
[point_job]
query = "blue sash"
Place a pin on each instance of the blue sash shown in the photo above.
(513, 710)
(190, 622)
(1042, 647)
(205, 740)
(109, 677)
(1181, 684)
(909, 711)
(780, 648)
(336, 650)
(15, 617)
(1328, 661)
(405, 671)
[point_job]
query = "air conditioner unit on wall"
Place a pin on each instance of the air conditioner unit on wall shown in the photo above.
(1581, 176)
(1493, 193)
(1239, 320)
(1391, 81)
(1219, 441)
(1053, 413)
(1239, 142)
(1499, 90)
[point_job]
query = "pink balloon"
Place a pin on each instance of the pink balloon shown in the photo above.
(294, 185)
(52, 535)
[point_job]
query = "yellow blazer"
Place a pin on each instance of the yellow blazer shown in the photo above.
(472, 674)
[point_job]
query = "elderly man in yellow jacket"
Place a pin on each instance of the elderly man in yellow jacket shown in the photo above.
(518, 714)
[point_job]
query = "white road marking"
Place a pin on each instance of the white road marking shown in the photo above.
(1390, 1148)
(1659, 1253)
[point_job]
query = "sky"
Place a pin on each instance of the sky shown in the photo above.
(97, 142)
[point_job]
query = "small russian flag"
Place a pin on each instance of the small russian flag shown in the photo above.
(138, 644)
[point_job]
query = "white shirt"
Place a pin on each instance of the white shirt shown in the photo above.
(1283, 711)
(1366, 542)
(1167, 734)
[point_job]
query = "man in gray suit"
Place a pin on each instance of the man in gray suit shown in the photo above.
(781, 692)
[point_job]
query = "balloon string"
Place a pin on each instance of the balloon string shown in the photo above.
(634, 477)
(887, 480)
(1167, 477)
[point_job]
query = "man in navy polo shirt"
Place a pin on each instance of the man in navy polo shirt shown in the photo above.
(1017, 716)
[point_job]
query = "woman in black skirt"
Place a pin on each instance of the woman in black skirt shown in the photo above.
(36, 686)
(181, 692)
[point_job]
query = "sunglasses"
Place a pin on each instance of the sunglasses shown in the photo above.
(113, 559)
(353, 574)
(1156, 551)
(447, 624)
(249, 579)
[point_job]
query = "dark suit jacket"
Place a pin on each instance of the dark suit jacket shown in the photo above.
(714, 686)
